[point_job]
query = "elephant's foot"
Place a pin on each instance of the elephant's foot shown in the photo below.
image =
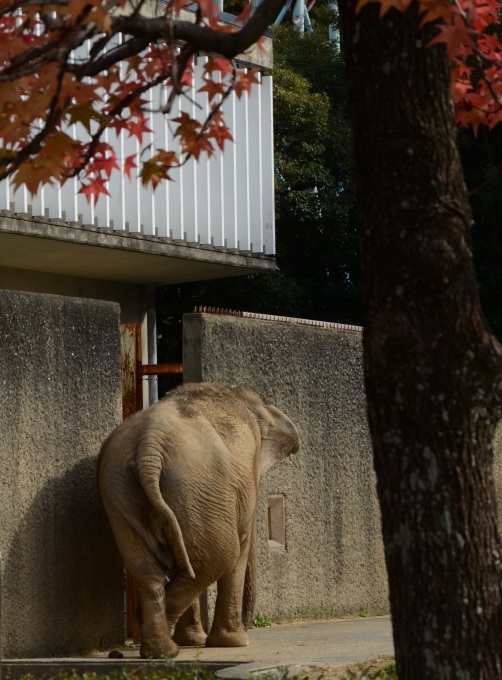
(168, 649)
(227, 638)
(191, 636)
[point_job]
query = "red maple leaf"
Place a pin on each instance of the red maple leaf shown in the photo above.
(129, 164)
(219, 64)
(92, 190)
(245, 80)
(213, 89)
(138, 127)
(220, 133)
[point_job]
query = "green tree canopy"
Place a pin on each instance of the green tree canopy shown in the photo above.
(318, 273)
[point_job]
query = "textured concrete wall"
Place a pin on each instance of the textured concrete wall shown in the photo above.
(333, 563)
(62, 581)
(497, 469)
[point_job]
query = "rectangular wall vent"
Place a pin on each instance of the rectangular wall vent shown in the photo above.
(276, 523)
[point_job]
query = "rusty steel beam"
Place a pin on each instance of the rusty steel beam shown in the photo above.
(161, 369)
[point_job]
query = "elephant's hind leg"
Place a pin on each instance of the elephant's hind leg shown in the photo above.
(156, 635)
(227, 629)
(149, 578)
(189, 631)
(182, 609)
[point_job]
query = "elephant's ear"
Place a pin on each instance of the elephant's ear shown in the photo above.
(279, 437)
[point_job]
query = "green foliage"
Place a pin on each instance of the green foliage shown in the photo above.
(315, 215)
(482, 164)
(261, 621)
(168, 671)
(318, 272)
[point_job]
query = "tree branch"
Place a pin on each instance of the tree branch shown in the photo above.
(202, 38)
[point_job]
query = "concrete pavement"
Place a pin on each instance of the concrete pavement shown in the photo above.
(317, 643)
(294, 645)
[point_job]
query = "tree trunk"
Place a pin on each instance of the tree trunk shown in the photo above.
(433, 370)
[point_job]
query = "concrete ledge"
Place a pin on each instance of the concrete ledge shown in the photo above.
(256, 670)
(72, 250)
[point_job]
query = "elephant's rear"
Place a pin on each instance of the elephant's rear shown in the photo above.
(117, 486)
(129, 469)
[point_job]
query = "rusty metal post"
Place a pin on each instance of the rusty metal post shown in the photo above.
(151, 315)
(131, 368)
(132, 401)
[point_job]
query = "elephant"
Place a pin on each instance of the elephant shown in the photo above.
(179, 482)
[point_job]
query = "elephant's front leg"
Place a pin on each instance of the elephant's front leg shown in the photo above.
(227, 629)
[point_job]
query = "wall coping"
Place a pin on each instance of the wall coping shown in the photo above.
(279, 319)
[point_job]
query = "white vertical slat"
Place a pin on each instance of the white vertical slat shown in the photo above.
(67, 194)
(116, 184)
(255, 165)
(175, 188)
(146, 207)
(85, 207)
(203, 196)
(131, 187)
(38, 202)
(5, 194)
(161, 141)
(68, 191)
(216, 192)
(102, 205)
(268, 165)
(242, 166)
(188, 171)
(230, 177)
(20, 198)
(226, 199)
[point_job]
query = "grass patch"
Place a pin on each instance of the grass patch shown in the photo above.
(168, 671)
(261, 621)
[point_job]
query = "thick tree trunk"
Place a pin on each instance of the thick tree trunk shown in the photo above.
(433, 370)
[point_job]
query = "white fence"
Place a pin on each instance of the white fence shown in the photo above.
(226, 201)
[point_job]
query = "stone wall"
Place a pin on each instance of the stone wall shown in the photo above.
(329, 560)
(61, 579)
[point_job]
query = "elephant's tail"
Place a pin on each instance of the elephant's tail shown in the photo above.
(249, 593)
(149, 468)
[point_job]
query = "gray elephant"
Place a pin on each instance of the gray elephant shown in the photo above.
(179, 482)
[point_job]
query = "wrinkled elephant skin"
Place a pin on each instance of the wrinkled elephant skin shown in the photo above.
(179, 482)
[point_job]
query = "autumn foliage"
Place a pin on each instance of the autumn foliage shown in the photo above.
(471, 31)
(72, 69)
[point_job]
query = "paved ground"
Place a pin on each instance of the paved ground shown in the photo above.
(317, 643)
(321, 643)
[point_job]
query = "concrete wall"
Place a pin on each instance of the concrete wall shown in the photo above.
(62, 581)
(333, 563)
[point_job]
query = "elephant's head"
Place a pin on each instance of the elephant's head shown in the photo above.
(279, 435)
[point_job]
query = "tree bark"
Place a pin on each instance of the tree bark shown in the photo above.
(433, 370)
